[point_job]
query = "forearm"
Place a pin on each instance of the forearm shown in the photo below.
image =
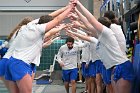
(83, 26)
(57, 12)
(82, 18)
(98, 26)
(80, 32)
(57, 19)
(46, 44)
(63, 15)
(83, 37)
(52, 32)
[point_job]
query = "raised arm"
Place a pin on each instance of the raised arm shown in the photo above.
(49, 42)
(54, 30)
(83, 37)
(59, 18)
(97, 25)
(85, 21)
(57, 12)
(78, 24)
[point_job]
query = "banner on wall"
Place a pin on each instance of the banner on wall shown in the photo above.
(104, 4)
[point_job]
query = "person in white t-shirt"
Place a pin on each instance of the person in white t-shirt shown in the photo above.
(98, 64)
(116, 28)
(8, 54)
(27, 47)
(122, 43)
(111, 53)
(68, 58)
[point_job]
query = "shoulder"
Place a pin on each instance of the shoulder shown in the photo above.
(63, 46)
(107, 31)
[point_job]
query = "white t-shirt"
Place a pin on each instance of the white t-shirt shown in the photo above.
(11, 47)
(12, 42)
(93, 53)
(109, 49)
(119, 36)
(29, 42)
(68, 56)
(86, 52)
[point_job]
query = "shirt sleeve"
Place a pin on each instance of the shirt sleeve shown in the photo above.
(93, 40)
(107, 32)
(59, 55)
(41, 27)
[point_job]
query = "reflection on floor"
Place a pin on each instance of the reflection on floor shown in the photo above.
(56, 86)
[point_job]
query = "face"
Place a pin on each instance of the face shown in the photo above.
(70, 45)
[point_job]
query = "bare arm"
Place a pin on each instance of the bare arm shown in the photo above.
(78, 24)
(54, 30)
(83, 37)
(46, 44)
(57, 12)
(85, 21)
(97, 25)
(58, 19)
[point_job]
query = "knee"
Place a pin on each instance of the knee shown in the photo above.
(73, 82)
(98, 81)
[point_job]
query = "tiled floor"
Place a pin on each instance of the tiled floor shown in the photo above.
(55, 87)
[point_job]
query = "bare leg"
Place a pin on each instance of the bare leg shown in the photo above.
(109, 88)
(25, 84)
(67, 87)
(123, 86)
(13, 88)
(89, 85)
(99, 83)
(113, 85)
(86, 82)
(73, 83)
(80, 75)
(93, 85)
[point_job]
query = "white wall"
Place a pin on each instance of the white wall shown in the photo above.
(8, 20)
(31, 5)
(12, 11)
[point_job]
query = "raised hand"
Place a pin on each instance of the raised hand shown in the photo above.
(76, 24)
(61, 26)
(73, 16)
(74, 2)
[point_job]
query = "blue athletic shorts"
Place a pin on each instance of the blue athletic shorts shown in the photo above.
(16, 69)
(106, 75)
(92, 69)
(85, 71)
(125, 71)
(69, 75)
(3, 66)
(98, 64)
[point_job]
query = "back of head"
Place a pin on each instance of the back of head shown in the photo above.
(70, 39)
(45, 19)
(105, 21)
(25, 21)
(111, 16)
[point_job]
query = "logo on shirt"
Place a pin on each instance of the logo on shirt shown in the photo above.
(71, 53)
